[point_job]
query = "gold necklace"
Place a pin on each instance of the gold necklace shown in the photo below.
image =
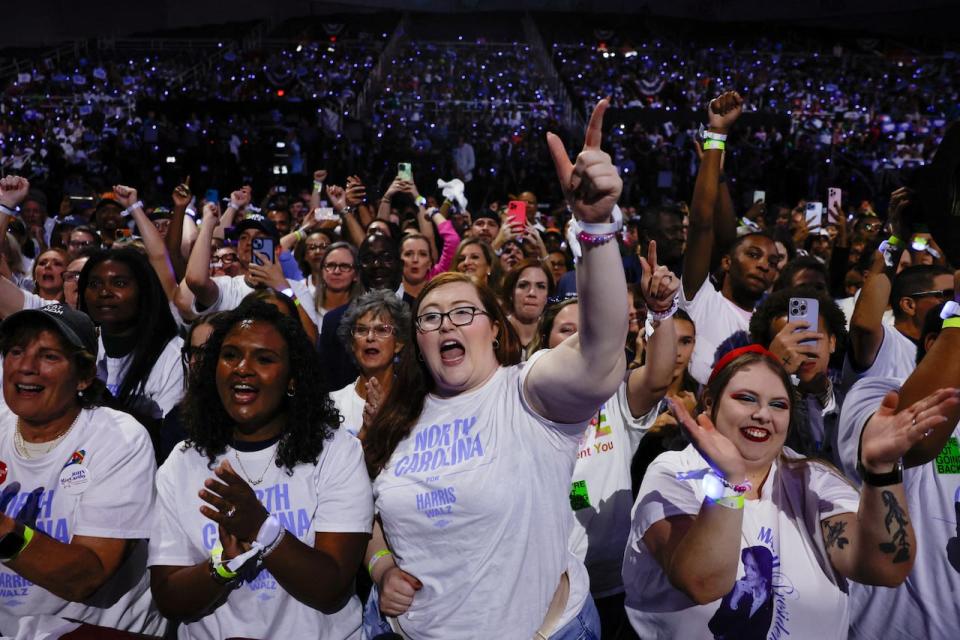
(236, 454)
(21, 446)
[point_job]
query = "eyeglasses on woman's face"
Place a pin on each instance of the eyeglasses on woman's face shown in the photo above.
(459, 317)
(332, 267)
(380, 331)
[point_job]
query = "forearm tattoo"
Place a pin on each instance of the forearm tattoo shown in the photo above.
(896, 524)
(833, 534)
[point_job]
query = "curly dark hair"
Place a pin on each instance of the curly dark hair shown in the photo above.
(776, 304)
(311, 414)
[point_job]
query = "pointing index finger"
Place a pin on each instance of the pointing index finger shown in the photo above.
(594, 134)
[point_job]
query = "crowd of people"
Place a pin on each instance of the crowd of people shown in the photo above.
(584, 406)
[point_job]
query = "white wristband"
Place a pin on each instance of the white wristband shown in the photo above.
(10, 212)
(129, 210)
(710, 135)
(270, 531)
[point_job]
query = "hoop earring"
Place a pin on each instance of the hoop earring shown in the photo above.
(291, 393)
(496, 344)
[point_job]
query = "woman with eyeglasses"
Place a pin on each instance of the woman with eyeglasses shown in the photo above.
(471, 453)
(372, 330)
(339, 281)
(310, 253)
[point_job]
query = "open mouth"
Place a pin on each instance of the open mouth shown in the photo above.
(452, 352)
(755, 434)
(29, 390)
(244, 393)
(371, 352)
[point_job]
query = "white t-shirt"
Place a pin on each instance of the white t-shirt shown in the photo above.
(110, 458)
(350, 405)
(802, 596)
(896, 358)
(164, 387)
(231, 290)
(475, 504)
(331, 496)
(927, 604)
(716, 319)
(601, 490)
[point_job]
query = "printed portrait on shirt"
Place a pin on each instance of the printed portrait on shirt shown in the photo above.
(747, 611)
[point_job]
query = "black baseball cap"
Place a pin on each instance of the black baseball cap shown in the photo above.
(73, 325)
(256, 221)
(486, 213)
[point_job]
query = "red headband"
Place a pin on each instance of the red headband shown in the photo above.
(736, 353)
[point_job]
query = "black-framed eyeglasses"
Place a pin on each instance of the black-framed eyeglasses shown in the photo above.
(459, 317)
(939, 293)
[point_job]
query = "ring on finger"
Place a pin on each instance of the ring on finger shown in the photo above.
(232, 511)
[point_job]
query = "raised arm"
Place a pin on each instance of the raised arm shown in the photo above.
(239, 200)
(174, 240)
(866, 323)
(448, 236)
(198, 278)
(383, 210)
(647, 385)
(877, 545)
(555, 386)
(939, 368)
(317, 193)
(13, 189)
(722, 113)
(351, 229)
(156, 248)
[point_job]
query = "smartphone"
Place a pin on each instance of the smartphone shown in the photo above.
(807, 309)
(814, 215)
(759, 196)
(405, 171)
(212, 195)
(833, 200)
(262, 245)
(517, 214)
(324, 213)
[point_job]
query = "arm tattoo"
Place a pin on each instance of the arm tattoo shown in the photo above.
(896, 524)
(834, 534)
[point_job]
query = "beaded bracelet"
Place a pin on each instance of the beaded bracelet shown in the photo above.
(659, 316)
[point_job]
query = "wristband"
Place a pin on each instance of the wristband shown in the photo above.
(894, 241)
(710, 135)
(592, 233)
(129, 210)
(297, 235)
(317, 186)
(23, 539)
(951, 323)
(15, 212)
(950, 310)
(659, 316)
(421, 201)
(270, 535)
(717, 487)
(220, 573)
(709, 145)
(375, 558)
(730, 502)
